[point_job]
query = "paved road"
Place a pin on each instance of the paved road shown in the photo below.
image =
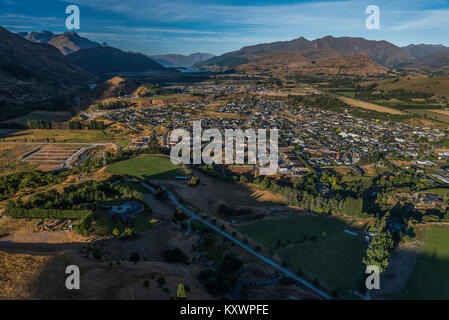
(238, 242)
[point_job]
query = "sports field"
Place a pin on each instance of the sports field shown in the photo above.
(157, 167)
(430, 277)
(317, 245)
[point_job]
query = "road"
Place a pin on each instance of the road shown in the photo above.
(238, 242)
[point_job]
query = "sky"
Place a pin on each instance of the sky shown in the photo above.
(219, 26)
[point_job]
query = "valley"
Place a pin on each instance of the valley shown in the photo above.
(87, 176)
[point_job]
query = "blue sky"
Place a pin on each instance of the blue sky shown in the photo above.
(219, 26)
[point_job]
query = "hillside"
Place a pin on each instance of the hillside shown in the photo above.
(66, 43)
(383, 52)
(436, 85)
(359, 65)
(40, 37)
(35, 76)
(313, 62)
(114, 87)
(434, 60)
(70, 42)
(108, 60)
(421, 50)
(179, 60)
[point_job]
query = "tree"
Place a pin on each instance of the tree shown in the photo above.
(379, 251)
(115, 232)
(134, 257)
(194, 181)
(127, 233)
(153, 144)
(175, 255)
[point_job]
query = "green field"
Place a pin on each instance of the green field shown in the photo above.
(148, 167)
(430, 277)
(334, 258)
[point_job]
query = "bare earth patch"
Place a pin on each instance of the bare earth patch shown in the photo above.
(369, 106)
(400, 268)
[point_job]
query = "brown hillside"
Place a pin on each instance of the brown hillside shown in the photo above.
(361, 65)
(313, 62)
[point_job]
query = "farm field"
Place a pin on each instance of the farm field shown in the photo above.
(10, 158)
(334, 257)
(157, 167)
(430, 277)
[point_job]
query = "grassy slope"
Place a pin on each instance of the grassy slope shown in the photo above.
(437, 85)
(334, 259)
(430, 278)
(151, 167)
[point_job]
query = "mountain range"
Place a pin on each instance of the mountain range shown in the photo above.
(67, 42)
(41, 69)
(421, 50)
(93, 57)
(105, 60)
(383, 52)
(179, 60)
(35, 75)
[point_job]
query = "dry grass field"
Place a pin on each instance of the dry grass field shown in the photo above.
(437, 85)
(369, 106)
(209, 194)
(37, 275)
(44, 135)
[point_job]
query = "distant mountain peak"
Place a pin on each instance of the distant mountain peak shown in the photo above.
(66, 42)
(383, 52)
(422, 50)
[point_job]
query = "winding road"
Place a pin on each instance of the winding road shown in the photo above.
(238, 242)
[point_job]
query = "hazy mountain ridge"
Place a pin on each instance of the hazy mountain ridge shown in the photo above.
(421, 50)
(435, 60)
(179, 60)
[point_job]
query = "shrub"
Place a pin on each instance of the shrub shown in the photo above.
(134, 257)
(175, 256)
